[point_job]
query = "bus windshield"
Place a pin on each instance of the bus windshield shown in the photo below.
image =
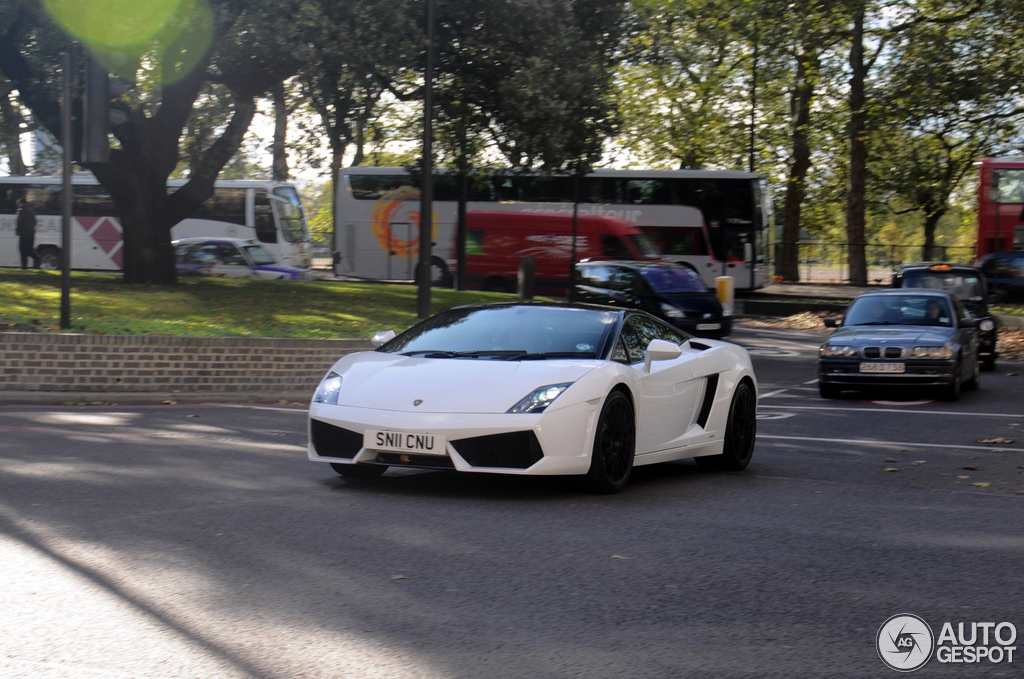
(293, 219)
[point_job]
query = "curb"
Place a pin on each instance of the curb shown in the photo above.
(99, 398)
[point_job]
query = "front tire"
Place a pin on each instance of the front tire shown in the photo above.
(828, 390)
(611, 460)
(48, 258)
(740, 433)
(359, 471)
(952, 392)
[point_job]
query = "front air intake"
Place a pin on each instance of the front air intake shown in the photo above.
(515, 450)
(331, 441)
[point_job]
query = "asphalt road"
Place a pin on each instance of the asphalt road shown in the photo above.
(197, 541)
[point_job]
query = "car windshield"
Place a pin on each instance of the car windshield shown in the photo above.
(962, 286)
(516, 332)
(899, 310)
(673, 280)
(259, 254)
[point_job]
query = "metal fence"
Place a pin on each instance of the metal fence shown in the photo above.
(829, 262)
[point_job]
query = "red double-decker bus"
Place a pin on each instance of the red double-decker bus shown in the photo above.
(1000, 205)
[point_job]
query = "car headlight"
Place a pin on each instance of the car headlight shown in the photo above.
(539, 399)
(672, 311)
(932, 352)
(986, 325)
(327, 392)
(838, 350)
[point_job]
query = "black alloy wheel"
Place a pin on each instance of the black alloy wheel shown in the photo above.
(740, 433)
(611, 461)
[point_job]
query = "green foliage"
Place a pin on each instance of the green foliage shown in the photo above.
(217, 307)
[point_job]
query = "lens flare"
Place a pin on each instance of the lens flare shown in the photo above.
(113, 24)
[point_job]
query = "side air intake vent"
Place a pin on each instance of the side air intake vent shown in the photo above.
(709, 397)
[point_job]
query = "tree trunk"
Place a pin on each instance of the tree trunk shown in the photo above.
(280, 151)
(931, 221)
(787, 263)
(10, 129)
(855, 231)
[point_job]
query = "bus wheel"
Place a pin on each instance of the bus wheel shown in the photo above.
(494, 284)
(440, 277)
(49, 258)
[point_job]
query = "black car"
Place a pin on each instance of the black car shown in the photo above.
(668, 290)
(967, 284)
(1004, 272)
(901, 338)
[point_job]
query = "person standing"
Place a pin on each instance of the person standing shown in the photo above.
(26, 232)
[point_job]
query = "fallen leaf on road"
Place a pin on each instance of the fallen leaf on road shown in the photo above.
(918, 463)
(399, 576)
(963, 477)
(981, 484)
(971, 467)
(999, 439)
(619, 556)
(170, 403)
(891, 469)
(890, 460)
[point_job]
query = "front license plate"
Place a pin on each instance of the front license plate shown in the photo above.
(709, 326)
(882, 368)
(404, 442)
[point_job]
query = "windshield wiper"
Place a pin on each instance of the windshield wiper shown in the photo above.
(483, 353)
(540, 356)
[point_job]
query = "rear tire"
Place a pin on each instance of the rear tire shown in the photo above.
(359, 471)
(740, 433)
(611, 459)
(973, 383)
(988, 363)
(48, 258)
(494, 284)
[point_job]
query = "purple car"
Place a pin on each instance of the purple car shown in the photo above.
(231, 258)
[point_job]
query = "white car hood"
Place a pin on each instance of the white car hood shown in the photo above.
(448, 385)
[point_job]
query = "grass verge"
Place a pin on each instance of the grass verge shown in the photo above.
(216, 307)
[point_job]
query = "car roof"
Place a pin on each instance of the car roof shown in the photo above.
(927, 266)
(903, 292)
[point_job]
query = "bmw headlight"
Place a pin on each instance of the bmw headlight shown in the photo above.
(837, 350)
(327, 392)
(539, 399)
(672, 311)
(932, 352)
(986, 325)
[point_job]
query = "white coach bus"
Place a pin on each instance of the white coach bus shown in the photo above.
(265, 211)
(719, 221)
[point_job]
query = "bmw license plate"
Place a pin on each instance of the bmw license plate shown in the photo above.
(709, 326)
(404, 442)
(882, 367)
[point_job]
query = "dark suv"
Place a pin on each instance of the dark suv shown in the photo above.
(671, 291)
(1004, 272)
(967, 284)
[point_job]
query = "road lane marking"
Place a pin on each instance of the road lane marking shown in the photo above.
(897, 410)
(772, 393)
(868, 442)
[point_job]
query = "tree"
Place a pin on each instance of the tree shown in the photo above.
(242, 46)
(954, 96)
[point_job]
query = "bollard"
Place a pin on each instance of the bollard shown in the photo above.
(725, 289)
(527, 276)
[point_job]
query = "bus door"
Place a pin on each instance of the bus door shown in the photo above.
(400, 261)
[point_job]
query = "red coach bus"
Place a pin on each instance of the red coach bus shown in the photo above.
(1000, 205)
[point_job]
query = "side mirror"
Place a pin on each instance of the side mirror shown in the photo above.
(831, 322)
(382, 338)
(661, 350)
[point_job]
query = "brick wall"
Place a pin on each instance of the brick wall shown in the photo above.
(130, 363)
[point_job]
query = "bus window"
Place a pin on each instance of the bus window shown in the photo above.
(1009, 185)
(93, 201)
(225, 205)
(266, 230)
(672, 240)
(45, 200)
(374, 186)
